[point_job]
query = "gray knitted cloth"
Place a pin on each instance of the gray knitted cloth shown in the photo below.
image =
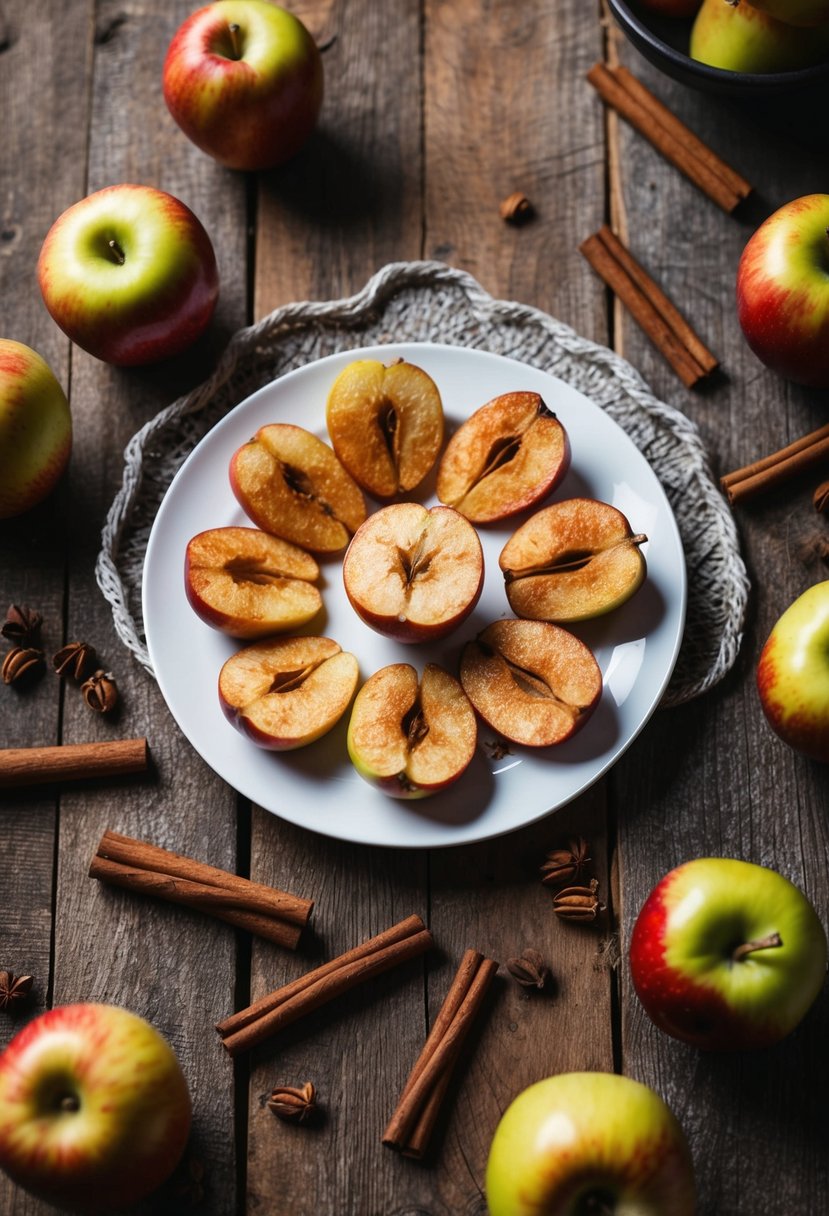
(430, 302)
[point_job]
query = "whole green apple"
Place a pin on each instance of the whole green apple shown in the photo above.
(587, 1142)
(35, 428)
(94, 1108)
(727, 955)
(743, 39)
(243, 79)
(793, 674)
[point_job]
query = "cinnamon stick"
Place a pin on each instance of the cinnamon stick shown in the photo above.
(653, 311)
(22, 766)
(137, 866)
(770, 471)
(677, 143)
(412, 1123)
(246, 1029)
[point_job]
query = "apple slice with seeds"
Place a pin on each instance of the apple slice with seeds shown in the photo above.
(571, 561)
(411, 738)
(286, 692)
(248, 583)
(385, 424)
(414, 574)
(508, 455)
(532, 682)
(291, 484)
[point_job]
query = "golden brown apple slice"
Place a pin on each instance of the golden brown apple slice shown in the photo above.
(386, 424)
(290, 483)
(287, 692)
(414, 574)
(411, 739)
(248, 583)
(508, 455)
(533, 682)
(571, 561)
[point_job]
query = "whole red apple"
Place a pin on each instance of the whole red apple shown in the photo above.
(793, 674)
(35, 428)
(129, 274)
(783, 291)
(727, 955)
(243, 79)
(94, 1108)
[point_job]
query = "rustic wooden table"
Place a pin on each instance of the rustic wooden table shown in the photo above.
(435, 111)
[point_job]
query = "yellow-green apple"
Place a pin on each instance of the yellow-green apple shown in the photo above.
(129, 274)
(574, 560)
(792, 679)
(726, 954)
(411, 737)
(783, 291)
(35, 428)
(284, 693)
(386, 424)
(508, 455)
(414, 573)
(792, 12)
(94, 1108)
(290, 483)
(743, 39)
(244, 81)
(589, 1142)
(533, 682)
(248, 583)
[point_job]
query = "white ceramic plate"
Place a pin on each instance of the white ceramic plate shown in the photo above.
(316, 786)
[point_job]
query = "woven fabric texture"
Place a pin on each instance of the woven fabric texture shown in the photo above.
(431, 302)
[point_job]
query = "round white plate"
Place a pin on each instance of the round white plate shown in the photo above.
(636, 646)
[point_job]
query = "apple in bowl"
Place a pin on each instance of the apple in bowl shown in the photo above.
(94, 1108)
(411, 738)
(35, 429)
(412, 573)
(742, 38)
(589, 1142)
(129, 274)
(727, 955)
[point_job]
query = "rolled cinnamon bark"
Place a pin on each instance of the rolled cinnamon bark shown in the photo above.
(21, 766)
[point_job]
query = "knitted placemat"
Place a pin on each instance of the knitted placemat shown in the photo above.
(431, 302)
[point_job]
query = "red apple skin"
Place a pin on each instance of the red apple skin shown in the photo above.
(35, 429)
(254, 112)
(131, 1127)
(783, 291)
(792, 681)
(150, 307)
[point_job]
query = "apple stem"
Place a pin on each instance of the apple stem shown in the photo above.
(117, 251)
(233, 30)
(764, 943)
(69, 1102)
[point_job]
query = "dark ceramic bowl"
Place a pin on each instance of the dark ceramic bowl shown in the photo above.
(664, 42)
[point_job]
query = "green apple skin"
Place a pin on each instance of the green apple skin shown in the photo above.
(683, 964)
(793, 12)
(743, 39)
(782, 290)
(249, 98)
(793, 674)
(589, 1141)
(146, 297)
(35, 429)
(94, 1108)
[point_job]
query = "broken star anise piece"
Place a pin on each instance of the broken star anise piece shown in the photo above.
(22, 625)
(100, 692)
(529, 969)
(14, 988)
(580, 904)
(74, 660)
(565, 865)
(21, 663)
(294, 1104)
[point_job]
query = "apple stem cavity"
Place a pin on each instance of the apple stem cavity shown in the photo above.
(69, 1103)
(764, 943)
(117, 252)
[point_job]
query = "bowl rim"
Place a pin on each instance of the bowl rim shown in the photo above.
(721, 76)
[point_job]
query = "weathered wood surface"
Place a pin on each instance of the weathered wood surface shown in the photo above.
(435, 111)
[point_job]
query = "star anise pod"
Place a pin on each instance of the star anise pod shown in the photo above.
(100, 692)
(565, 865)
(22, 625)
(74, 660)
(295, 1105)
(578, 903)
(529, 970)
(21, 663)
(14, 988)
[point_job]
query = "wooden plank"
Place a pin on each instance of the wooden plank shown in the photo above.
(733, 790)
